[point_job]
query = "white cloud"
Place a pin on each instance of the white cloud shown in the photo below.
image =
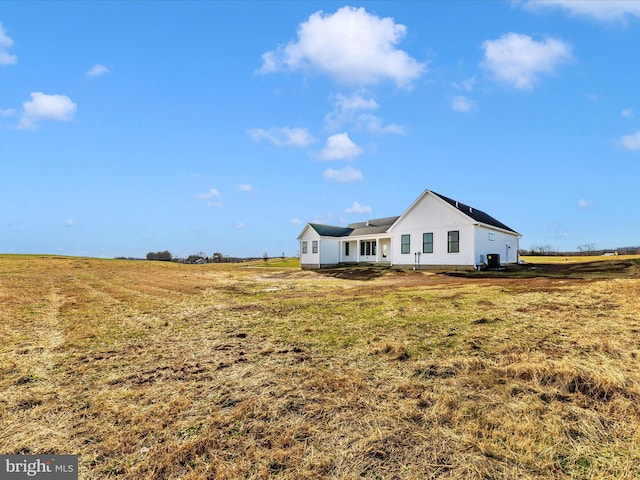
(5, 43)
(630, 142)
(244, 187)
(344, 175)
(374, 125)
(296, 221)
(7, 112)
(357, 208)
(460, 103)
(603, 10)
(340, 147)
(213, 193)
(69, 223)
(518, 60)
(355, 102)
(351, 46)
(283, 136)
(214, 204)
(46, 107)
(466, 85)
(627, 112)
(239, 225)
(346, 108)
(97, 70)
(582, 203)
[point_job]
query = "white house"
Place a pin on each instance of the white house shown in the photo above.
(434, 232)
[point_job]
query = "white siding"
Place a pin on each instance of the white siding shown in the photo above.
(490, 241)
(329, 251)
(309, 259)
(432, 215)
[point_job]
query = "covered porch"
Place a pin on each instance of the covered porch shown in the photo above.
(375, 250)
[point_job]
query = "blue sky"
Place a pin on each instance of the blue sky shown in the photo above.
(130, 127)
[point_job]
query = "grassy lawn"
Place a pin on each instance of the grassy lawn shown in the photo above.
(277, 262)
(152, 370)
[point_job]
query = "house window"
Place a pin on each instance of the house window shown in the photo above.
(405, 244)
(492, 236)
(367, 248)
(427, 243)
(304, 247)
(314, 246)
(346, 249)
(453, 241)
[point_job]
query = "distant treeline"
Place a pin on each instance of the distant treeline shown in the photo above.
(198, 258)
(162, 256)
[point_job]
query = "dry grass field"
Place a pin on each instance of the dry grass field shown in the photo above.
(577, 259)
(165, 371)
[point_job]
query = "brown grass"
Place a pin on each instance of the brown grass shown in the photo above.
(163, 371)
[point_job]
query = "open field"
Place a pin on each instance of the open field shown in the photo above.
(153, 370)
(576, 258)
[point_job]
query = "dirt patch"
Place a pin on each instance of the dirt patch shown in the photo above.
(356, 273)
(567, 270)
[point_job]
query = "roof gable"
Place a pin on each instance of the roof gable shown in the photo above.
(469, 212)
(387, 224)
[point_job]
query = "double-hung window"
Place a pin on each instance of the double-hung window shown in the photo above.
(405, 244)
(427, 242)
(314, 246)
(304, 247)
(453, 241)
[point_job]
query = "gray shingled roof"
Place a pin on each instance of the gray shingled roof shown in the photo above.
(377, 225)
(330, 230)
(477, 215)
